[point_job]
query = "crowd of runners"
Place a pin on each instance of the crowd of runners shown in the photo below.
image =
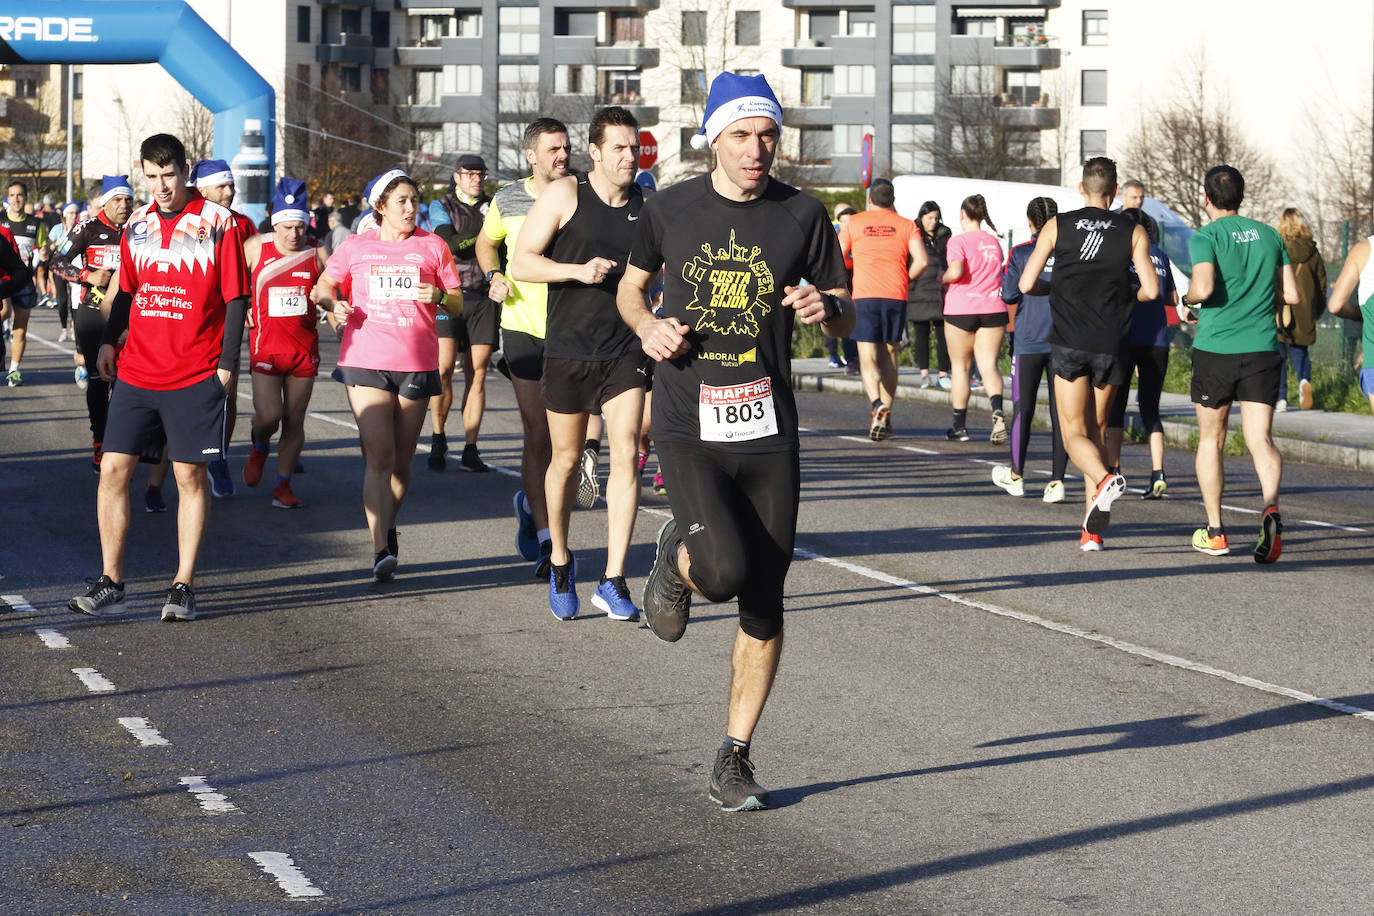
(587, 291)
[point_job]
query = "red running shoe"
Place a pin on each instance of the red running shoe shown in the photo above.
(283, 498)
(252, 468)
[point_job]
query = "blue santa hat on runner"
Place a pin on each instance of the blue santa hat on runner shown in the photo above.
(209, 172)
(113, 186)
(288, 203)
(733, 97)
(373, 192)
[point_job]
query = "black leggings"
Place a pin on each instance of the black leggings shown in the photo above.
(1026, 371)
(920, 345)
(1151, 363)
(64, 300)
(737, 516)
(90, 327)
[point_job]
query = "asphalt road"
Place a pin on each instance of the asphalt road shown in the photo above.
(972, 716)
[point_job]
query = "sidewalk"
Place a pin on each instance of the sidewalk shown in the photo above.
(1341, 440)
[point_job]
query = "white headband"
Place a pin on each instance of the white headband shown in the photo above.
(214, 178)
(380, 184)
(288, 214)
(749, 106)
(123, 190)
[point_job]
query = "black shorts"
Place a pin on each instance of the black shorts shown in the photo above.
(582, 386)
(192, 420)
(737, 514)
(971, 323)
(481, 320)
(879, 320)
(26, 298)
(1220, 378)
(524, 354)
(1099, 368)
(415, 386)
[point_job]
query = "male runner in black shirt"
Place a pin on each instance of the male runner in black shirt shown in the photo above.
(31, 238)
(736, 245)
(1091, 303)
(577, 239)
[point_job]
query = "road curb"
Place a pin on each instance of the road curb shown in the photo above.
(1177, 433)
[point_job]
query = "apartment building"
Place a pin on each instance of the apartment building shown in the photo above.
(33, 121)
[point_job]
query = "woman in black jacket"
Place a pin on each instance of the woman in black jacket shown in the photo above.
(926, 299)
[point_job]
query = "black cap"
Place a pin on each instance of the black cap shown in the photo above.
(471, 163)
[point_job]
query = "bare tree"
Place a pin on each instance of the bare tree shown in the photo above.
(1188, 131)
(194, 125)
(34, 148)
(345, 140)
(1338, 180)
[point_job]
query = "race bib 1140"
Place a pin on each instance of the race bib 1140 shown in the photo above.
(392, 282)
(737, 413)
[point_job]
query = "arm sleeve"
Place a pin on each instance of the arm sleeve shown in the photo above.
(63, 261)
(118, 321)
(438, 216)
(447, 272)
(825, 264)
(235, 311)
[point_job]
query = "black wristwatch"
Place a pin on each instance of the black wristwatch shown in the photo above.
(491, 273)
(832, 306)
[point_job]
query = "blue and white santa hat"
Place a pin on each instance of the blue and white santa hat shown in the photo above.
(209, 172)
(733, 97)
(289, 203)
(113, 186)
(373, 192)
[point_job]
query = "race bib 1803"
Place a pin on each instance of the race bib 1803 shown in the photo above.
(737, 413)
(287, 302)
(392, 282)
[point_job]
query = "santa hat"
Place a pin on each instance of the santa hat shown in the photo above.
(73, 206)
(113, 186)
(289, 202)
(373, 192)
(209, 172)
(733, 97)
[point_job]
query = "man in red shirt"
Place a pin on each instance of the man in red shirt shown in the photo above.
(888, 253)
(215, 181)
(183, 293)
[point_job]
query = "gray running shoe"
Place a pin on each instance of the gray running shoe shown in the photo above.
(181, 603)
(104, 598)
(667, 601)
(588, 487)
(999, 428)
(732, 783)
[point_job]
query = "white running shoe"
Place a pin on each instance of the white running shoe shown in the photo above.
(1004, 478)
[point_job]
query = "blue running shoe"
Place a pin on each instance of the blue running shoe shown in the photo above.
(613, 597)
(221, 484)
(563, 589)
(526, 536)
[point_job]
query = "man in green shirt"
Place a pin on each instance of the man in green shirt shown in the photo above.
(1241, 278)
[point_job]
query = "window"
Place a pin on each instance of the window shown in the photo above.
(861, 24)
(970, 80)
(510, 152)
(627, 28)
(517, 87)
(572, 79)
(911, 148)
(748, 30)
(78, 78)
(817, 87)
(425, 86)
(1026, 33)
(329, 26)
(913, 30)
(351, 20)
(351, 79)
(855, 79)
(913, 89)
(574, 22)
(693, 86)
(26, 88)
(1092, 143)
(467, 24)
(1022, 87)
(815, 144)
(425, 31)
(1094, 27)
(302, 84)
(620, 87)
(519, 30)
(430, 141)
(694, 28)
(822, 25)
(1023, 147)
(848, 138)
(303, 24)
(381, 86)
(981, 26)
(381, 29)
(1094, 87)
(466, 136)
(684, 139)
(466, 78)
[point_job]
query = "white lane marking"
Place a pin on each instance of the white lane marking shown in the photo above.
(19, 604)
(95, 681)
(147, 735)
(290, 878)
(48, 343)
(213, 802)
(1070, 630)
(53, 639)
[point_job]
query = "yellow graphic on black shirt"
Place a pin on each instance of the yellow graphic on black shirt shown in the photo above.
(731, 285)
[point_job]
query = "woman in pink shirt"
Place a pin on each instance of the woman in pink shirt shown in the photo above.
(384, 284)
(975, 315)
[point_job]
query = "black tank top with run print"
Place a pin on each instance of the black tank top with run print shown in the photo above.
(583, 321)
(1091, 301)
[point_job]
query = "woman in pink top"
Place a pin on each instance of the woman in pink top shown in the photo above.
(975, 315)
(384, 284)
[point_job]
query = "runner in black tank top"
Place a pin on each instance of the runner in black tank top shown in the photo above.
(1090, 306)
(577, 239)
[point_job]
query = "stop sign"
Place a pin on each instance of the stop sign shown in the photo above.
(648, 149)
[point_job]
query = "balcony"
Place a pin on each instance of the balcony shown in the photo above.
(645, 5)
(351, 48)
(827, 52)
(1009, 51)
(437, 52)
(808, 55)
(626, 55)
(1029, 117)
(808, 116)
(646, 115)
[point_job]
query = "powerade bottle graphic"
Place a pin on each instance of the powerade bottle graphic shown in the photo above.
(250, 171)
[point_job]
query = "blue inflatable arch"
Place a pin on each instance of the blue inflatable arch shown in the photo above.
(151, 31)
